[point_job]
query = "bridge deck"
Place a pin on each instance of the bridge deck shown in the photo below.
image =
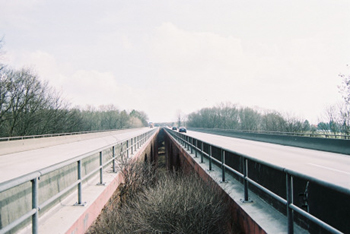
(21, 157)
(326, 166)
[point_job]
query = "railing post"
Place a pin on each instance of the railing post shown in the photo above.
(121, 152)
(289, 187)
(210, 159)
(191, 145)
(223, 166)
(202, 153)
(101, 169)
(245, 181)
(35, 216)
(113, 155)
(196, 149)
(187, 138)
(135, 144)
(79, 184)
(132, 146)
(127, 148)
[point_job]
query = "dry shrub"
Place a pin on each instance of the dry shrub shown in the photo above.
(174, 203)
(179, 204)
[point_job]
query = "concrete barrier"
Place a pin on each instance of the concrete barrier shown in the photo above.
(14, 146)
(340, 146)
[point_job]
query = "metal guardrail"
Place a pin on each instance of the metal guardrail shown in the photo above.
(196, 145)
(131, 146)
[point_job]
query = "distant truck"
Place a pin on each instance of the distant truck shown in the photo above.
(151, 125)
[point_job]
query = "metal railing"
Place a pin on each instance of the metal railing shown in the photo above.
(197, 146)
(131, 145)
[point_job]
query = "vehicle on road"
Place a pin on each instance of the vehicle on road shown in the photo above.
(174, 128)
(182, 129)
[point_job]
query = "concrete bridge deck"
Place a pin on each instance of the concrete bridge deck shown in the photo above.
(21, 157)
(327, 166)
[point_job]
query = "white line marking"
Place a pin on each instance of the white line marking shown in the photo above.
(329, 168)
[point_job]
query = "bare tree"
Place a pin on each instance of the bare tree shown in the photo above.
(273, 121)
(345, 109)
(333, 115)
(293, 123)
(29, 106)
(142, 116)
(344, 88)
(249, 119)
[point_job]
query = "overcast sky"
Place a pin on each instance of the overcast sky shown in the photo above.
(165, 57)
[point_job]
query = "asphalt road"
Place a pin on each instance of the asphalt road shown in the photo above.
(330, 167)
(16, 164)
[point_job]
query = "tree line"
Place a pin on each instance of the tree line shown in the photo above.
(29, 106)
(230, 116)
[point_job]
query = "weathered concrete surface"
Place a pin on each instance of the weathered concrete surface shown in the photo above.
(256, 217)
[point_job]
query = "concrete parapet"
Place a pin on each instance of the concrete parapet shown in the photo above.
(340, 146)
(14, 146)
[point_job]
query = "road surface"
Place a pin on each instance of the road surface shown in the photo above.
(330, 167)
(31, 158)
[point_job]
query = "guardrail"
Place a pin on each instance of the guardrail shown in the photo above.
(131, 145)
(205, 149)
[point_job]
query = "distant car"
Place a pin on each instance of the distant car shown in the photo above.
(182, 129)
(174, 128)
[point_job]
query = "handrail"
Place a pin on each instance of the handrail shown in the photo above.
(132, 145)
(188, 143)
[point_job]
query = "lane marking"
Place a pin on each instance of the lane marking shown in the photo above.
(329, 168)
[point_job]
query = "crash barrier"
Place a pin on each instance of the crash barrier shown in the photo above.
(325, 142)
(239, 165)
(299, 134)
(80, 166)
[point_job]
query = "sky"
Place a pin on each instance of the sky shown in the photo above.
(175, 57)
